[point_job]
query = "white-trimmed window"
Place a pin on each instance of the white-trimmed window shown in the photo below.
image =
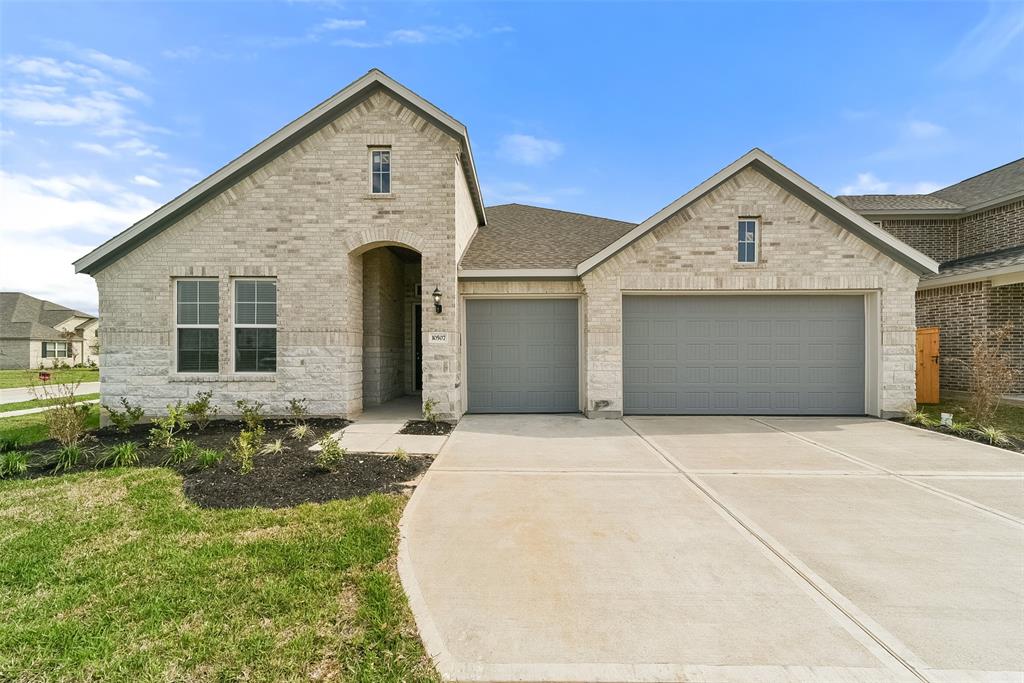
(746, 251)
(55, 349)
(255, 326)
(380, 171)
(197, 304)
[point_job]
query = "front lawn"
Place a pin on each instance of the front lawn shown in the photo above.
(1008, 418)
(113, 576)
(9, 379)
(29, 429)
(41, 402)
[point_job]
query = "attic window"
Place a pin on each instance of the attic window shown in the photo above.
(747, 241)
(380, 171)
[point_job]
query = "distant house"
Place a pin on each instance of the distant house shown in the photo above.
(35, 333)
(975, 230)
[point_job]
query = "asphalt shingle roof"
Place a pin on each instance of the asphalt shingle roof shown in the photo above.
(26, 317)
(518, 236)
(986, 187)
(973, 264)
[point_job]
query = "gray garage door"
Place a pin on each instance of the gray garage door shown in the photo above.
(522, 355)
(762, 355)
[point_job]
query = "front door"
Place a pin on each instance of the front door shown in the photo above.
(928, 365)
(418, 335)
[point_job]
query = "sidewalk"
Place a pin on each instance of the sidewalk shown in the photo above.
(19, 394)
(29, 411)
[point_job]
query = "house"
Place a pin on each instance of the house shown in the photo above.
(35, 333)
(975, 229)
(349, 259)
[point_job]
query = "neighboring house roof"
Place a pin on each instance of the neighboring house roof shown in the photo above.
(26, 317)
(992, 266)
(274, 146)
(1002, 184)
(531, 237)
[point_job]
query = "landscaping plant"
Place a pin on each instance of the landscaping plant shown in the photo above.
(13, 463)
(298, 409)
(961, 429)
(252, 414)
(247, 446)
(992, 372)
(400, 454)
(126, 418)
(300, 432)
(67, 457)
(208, 457)
(66, 420)
(993, 435)
(919, 417)
(183, 451)
(200, 410)
(330, 454)
(123, 454)
(430, 411)
(275, 447)
(166, 429)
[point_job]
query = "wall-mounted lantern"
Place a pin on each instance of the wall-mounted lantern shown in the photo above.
(437, 300)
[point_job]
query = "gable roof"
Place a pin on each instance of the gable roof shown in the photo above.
(26, 317)
(274, 146)
(530, 237)
(798, 186)
(1002, 184)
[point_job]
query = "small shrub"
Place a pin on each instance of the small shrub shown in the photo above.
(275, 447)
(208, 457)
(919, 417)
(65, 420)
(961, 429)
(299, 410)
(300, 432)
(992, 371)
(993, 435)
(9, 443)
(126, 418)
(247, 446)
(330, 454)
(400, 454)
(200, 410)
(122, 455)
(430, 411)
(13, 463)
(166, 429)
(67, 457)
(252, 414)
(183, 451)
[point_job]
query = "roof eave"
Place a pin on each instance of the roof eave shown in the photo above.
(272, 147)
(518, 273)
(1003, 273)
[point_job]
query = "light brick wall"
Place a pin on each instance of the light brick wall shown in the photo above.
(465, 215)
(695, 251)
(304, 218)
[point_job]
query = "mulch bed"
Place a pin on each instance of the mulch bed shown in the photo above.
(1016, 445)
(425, 428)
(277, 480)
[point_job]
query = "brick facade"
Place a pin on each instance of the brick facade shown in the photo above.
(947, 239)
(695, 251)
(307, 219)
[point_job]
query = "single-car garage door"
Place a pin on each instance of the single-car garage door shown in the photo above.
(753, 354)
(522, 355)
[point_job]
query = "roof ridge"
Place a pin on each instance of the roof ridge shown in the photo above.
(976, 175)
(572, 213)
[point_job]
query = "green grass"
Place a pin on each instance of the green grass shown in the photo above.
(40, 402)
(113, 576)
(10, 379)
(1007, 418)
(28, 429)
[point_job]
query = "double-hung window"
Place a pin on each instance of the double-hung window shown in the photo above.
(55, 349)
(380, 171)
(198, 303)
(747, 244)
(255, 326)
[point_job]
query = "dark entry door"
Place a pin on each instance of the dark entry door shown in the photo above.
(418, 334)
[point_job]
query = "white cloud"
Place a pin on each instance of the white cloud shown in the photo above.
(140, 148)
(504, 192)
(341, 24)
(869, 183)
(985, 44)
(528, 150)
(421, 35)
(145, 181)
(922, 130)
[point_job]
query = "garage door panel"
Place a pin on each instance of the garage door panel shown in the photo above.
(766, 354)
(522, 355)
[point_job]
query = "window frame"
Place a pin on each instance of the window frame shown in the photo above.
(196, 326)
(235, 325)
(65, 344)
(756, 241)
(391, 159)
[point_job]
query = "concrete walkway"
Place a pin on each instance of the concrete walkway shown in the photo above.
(19, 394)
(377, 429)
(554, 548)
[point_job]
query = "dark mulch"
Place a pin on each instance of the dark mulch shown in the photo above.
(1016, 445)
(425, 428)
(277, 480)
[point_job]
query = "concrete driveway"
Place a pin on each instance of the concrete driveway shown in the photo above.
(555, 548)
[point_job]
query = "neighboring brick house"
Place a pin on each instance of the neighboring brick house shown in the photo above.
(349, 259)
(35, 333)
(975, 229)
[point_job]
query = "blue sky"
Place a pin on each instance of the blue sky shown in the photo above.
(107, 110)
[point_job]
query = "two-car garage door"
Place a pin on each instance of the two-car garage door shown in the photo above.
(760, 354)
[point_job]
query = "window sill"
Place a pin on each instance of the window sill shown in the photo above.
(195, 378)
(379, 195)
(746, 265)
